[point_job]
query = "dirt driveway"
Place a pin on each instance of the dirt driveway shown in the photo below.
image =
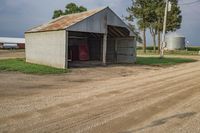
(115, 99)
(15, 53)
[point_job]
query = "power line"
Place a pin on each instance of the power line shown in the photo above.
(190, 3)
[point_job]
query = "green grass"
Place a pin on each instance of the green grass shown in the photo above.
(156, 61)
(174, 52)
(21, 66)
(190, 48)
(189, 51)
(194, 48)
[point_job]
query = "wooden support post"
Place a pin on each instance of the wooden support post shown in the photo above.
(115, 50)
(104, 48)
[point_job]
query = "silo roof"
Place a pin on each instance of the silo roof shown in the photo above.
(174, 34)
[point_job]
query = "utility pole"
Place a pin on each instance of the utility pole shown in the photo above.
(162, 46)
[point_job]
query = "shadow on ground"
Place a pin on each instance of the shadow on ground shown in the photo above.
(163, 121)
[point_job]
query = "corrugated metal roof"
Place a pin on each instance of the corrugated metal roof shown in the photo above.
(65, 21)
(11, 40)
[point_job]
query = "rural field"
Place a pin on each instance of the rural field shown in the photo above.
(7, 54)
(112, 99)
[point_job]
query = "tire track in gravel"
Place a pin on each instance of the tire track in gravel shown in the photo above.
(116, 88)
(112, 112)
(105, 103)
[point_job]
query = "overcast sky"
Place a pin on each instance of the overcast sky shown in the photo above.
(17, 16)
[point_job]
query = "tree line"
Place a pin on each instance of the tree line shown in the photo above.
(69, 9)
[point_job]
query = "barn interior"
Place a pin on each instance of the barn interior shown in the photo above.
(86, 49)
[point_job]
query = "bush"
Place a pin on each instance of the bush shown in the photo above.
(193, 48)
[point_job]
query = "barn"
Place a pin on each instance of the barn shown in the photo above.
(9, 42)
(97, 35)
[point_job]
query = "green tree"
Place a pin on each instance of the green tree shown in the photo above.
(160, 18)
(57, 13)
(73, 8)
(152, 21)
(69, 9)
(139, 10)
(174, 18)
(150, 14)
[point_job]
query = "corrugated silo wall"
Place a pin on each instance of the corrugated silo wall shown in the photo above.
(175, 43)
(121, 50)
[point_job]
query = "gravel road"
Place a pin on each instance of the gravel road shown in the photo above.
(117, 99)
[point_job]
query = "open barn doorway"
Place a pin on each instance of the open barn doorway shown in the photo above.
(120, 47)
(84, 49)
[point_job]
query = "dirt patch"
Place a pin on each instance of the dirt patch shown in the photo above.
(9, 54)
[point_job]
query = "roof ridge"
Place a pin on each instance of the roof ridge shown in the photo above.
(40, 27)
(96, 9)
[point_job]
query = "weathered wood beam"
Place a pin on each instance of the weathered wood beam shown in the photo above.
(104, 48)
(113, 32)
(119, 32)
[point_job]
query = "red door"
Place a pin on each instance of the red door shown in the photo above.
(83, 52)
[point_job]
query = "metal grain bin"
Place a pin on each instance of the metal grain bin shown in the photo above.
(175, 42)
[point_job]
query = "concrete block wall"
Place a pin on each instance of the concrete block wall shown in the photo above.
(47, 48)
